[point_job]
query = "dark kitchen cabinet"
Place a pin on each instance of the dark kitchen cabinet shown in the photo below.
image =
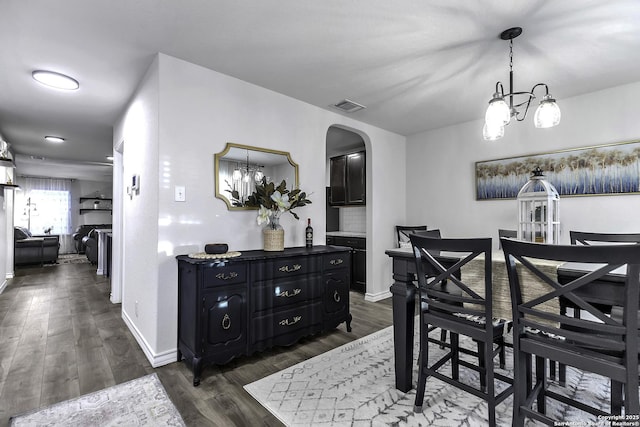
(259, 300)
(348, 179)
(358, 261)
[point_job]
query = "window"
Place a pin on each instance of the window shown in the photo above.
(45, 207)
(45, 211)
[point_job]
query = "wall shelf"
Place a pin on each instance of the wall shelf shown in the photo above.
(85, 210)
(7, 162)
(9, 186)
(84, 199)
(96, 200)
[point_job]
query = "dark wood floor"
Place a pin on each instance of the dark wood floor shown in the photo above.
(60, 337)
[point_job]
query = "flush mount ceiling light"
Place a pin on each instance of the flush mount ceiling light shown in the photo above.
(499, 112)
(54, 139)
(55, 80)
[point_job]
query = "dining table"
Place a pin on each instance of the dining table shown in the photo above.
(404, 295)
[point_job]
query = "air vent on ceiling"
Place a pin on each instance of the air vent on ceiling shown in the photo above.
(349, 106)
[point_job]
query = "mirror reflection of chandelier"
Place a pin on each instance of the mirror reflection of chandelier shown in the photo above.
(245, 177)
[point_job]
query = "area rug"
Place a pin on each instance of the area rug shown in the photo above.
(140, 402)
(73, 259)
(354, 385)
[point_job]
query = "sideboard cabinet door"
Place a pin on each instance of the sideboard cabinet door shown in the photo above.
(225, 318)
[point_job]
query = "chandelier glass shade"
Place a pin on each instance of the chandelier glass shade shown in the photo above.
(515, 105)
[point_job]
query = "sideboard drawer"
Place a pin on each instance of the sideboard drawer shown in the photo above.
(297, 290)
(337, 260)
(286, 321)
(287, 267)
(225, 275)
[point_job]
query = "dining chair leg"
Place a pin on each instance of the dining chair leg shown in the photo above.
(482, 365)
(501, 355)
(616, 397)
(541, 377)
(631, 397)
(423, 357)
(489, 380)
(455, 356)
(522, 385)
(443, 337)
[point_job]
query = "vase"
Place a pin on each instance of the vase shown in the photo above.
(273, 235)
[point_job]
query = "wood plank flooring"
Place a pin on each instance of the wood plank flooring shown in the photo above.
(60, 337)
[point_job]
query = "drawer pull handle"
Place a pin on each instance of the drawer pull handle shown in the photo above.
(286, 293)
(286, 269)
(286, 322)
(226, 322)
(231, 275)
(336, 261)
(336, 296)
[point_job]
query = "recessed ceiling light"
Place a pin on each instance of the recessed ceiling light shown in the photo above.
(55, 139)
(110, 158)
(55, 80)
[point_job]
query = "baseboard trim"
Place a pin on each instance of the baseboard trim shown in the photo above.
(156, 359)
(377, 297)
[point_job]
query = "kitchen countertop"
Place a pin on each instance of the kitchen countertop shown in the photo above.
(346, 234)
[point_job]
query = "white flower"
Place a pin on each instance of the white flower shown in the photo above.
(282, 200)
(263, 215)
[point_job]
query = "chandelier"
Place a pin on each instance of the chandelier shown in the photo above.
(515, 105)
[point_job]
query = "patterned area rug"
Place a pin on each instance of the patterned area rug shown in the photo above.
(73, 259)
(140, 402)
(354, 385)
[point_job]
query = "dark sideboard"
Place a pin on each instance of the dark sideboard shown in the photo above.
(238, 306)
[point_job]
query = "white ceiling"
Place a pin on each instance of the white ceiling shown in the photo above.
(416, 65)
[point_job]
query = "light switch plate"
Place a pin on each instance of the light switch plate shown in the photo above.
(180, 195)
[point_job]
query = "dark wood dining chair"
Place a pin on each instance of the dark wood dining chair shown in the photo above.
(596, 343)
(590, 238)
(403, 231)
(449, 303)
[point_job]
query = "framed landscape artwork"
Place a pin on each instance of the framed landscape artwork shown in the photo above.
(602, 169)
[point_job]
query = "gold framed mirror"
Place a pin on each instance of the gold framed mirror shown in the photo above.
(238, 167)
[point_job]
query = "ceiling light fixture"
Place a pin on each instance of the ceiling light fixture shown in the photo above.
(348, 106)
(110, 158)
(55, 80)
(499, 113)
(55, 139)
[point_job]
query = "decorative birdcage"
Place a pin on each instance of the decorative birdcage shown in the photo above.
(538, 210)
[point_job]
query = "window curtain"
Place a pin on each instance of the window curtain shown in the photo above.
(44, 207)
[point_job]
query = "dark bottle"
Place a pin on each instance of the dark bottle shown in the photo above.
(309, 233)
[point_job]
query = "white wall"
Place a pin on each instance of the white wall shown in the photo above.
(137, 246)
(441, 176)
(198, 111)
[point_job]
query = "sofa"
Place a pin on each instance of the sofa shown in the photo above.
(34, 249)
(90, 242)
(82, 231)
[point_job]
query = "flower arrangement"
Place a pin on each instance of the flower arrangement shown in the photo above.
(272, 201)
